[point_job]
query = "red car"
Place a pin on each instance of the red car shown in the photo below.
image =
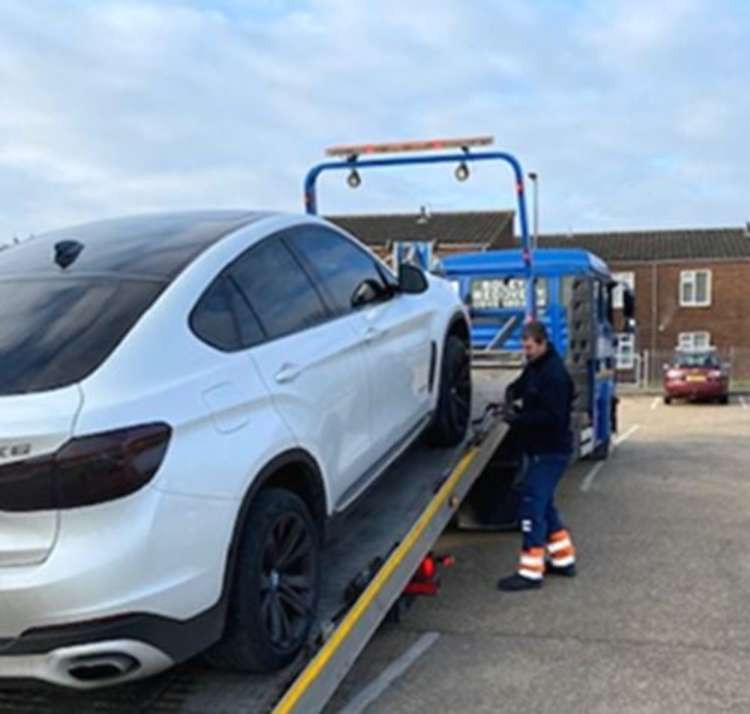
(696, 375)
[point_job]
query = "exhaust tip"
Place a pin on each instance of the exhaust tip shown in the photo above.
(94, 668)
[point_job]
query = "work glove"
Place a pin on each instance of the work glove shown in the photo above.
(510, 413)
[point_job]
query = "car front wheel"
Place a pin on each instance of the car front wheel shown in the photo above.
(453, 411)
(274, 597)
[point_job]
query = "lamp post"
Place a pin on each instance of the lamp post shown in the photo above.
(534, 178)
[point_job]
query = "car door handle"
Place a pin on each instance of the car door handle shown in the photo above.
(287, 373)
(372, 333)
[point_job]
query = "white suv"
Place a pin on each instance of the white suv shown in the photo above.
(185, 400)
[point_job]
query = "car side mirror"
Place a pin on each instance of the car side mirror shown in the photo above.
(368, 291)
(411, 279)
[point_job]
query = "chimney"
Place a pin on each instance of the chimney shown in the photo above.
(424, 215)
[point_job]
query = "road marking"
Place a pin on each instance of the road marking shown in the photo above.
(389, 675)
(743, 402)
(655, 403)
(588, 480)
(627, 434)
(590, 476)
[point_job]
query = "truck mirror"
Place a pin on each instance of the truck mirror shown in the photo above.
(628, 303)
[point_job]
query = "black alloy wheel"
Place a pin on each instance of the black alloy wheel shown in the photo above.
(288, 581)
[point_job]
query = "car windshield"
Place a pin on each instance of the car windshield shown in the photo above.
(56, 331)
(696, 359)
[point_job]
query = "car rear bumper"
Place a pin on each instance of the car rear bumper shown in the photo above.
(710, 389)
(119, 649)
(135, 579)
(86, 666)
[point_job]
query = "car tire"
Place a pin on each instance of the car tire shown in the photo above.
(453, 412)
(724, 399)
(667, 400)
(274, 597)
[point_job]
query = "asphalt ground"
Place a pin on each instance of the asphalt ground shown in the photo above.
(658, 619)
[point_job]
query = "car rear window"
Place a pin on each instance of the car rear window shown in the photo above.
(696, 359)
(56, 331)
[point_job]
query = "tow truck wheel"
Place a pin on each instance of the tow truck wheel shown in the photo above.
(275, 593)
(601, 452)
(453, 411)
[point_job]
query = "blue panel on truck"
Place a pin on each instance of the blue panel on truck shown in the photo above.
(547, 262)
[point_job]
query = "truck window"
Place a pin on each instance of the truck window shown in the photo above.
(505, 292)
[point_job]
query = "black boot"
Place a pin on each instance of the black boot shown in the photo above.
(569, 571)
(516, 583)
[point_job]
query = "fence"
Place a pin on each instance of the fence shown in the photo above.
(648, 368)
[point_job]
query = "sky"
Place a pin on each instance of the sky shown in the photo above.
(634, 113)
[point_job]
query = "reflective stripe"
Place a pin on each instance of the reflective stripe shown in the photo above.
(558, 535)
(559, 545)
(535, 552)
(563, 562)
(532, 560)
(530, 574)
(531, 564)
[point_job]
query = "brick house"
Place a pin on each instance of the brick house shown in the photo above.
(692, 286)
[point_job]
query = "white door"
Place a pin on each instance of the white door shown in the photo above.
(394, 328)
(399, 358)
(311, 361)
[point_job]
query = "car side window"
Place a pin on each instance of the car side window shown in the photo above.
(212, 319)
(277, 288)
(223, 319)
(340, 266)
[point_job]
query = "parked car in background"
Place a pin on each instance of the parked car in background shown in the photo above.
(696, 375)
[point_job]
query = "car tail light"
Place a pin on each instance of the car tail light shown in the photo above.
(675, 374)
(86, 470)
(715, 374)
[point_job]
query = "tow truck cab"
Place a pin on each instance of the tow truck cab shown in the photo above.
(573, 290)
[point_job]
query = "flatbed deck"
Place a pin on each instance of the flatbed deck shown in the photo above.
(398, 521)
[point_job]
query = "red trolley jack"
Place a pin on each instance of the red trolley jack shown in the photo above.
(425, 581)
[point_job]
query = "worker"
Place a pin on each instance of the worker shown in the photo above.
(542, 424)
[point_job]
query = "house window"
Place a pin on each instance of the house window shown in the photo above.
(695, 288)
(694, 340)
(628, 279)
(625, 357)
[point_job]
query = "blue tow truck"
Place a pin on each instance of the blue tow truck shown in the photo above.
(573, 296)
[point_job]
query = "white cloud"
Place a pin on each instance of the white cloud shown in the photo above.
(633, 113)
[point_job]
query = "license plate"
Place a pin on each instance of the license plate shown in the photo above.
(696, 378)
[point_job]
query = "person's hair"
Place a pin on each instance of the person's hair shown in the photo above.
(536, 331)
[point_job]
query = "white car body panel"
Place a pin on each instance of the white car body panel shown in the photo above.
(30, 426)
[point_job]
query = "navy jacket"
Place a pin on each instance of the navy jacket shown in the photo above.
(546, 391)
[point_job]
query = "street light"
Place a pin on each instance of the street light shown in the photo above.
(534, 178)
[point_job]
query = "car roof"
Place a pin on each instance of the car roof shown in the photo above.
(155, 246)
